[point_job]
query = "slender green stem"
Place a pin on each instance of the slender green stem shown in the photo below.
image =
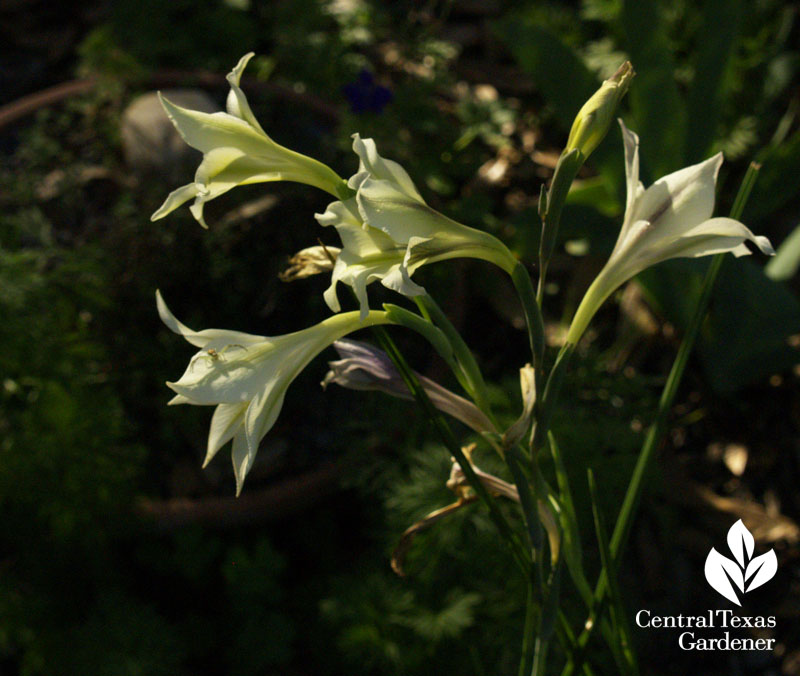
(446, 436)
(656, 431)
(549, 398)
(533, 314)
(548, 622)
(565, 172)
(526, 498)
(621, 630)
(528, 642)
(470, 373)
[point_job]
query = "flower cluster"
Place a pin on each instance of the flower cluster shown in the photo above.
(387, 232)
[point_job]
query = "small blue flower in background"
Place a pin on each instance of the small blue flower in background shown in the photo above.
(365, 95)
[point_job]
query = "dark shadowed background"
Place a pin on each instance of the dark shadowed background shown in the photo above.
(119, 555)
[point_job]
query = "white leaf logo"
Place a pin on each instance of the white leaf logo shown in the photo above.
(735, 577)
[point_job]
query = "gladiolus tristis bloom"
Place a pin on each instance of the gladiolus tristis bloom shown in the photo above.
(237, 151)
(388, 231)
(246, 377)
(671, 219)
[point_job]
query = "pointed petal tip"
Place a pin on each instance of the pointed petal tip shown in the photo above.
(236, 72)
(764, 245)
(167, 104)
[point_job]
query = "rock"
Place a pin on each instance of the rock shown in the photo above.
(149, 141)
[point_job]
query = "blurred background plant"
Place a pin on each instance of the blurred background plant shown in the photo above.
(118, 555)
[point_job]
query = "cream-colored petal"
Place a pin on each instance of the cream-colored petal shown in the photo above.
(681, 200)
(237, 102)
(399, 280)
(263, 411)
(180, 399)
(359, 282)
(233, 376)
(208, 338)
(175, 199)
(242, 460)
(381, 169)
(206, 131)
(225, 423)
(340, 213)
(429, 235)
(631, 142)
(719, 235)
(330, 296)
(223, 169)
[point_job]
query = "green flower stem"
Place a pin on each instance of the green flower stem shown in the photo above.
(447, 438)
(621, 633)
(574, 647)
(471, 377)
(549, 398)
(528, 641)
(550, 209)
(533, 315)
(434, 335)
(656, 431)
(526, 497)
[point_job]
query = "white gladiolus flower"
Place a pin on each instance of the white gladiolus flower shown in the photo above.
(388, 231)
(246, 377)
(237, 151)
(671, 219)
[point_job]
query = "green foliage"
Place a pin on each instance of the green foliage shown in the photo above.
(262, 635)
(87, 587)
(707, 51)
(735, 353)
(182, 33)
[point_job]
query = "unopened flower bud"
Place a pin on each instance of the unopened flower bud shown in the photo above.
(364, 367)
(594, 118)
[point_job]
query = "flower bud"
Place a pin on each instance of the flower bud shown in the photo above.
(594, 118)
(364, 367)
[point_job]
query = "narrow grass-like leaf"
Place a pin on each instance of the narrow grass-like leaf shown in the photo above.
(468, 366)
(526, 498)
(620, 631)
(570, 532)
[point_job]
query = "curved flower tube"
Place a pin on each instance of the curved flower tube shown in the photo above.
(246, 377)
(671, 219)
(388, 231)
(237, 151)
